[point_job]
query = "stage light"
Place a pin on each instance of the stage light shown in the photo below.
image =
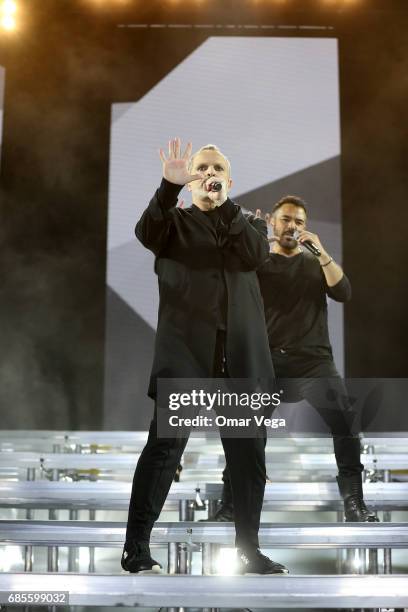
(10, 557)
(9, 7)
(83, 559)
(226, 563)
(8, 22)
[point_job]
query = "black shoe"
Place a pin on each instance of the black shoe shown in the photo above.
(136, 559)
(254, 562)
(355, 510)
(225, 514)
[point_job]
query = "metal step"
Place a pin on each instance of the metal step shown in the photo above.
(46, 440)
(192, 461)
(271, 535)
(115, 495)
(388, 591)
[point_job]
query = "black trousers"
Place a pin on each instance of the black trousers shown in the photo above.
(303, 375)
(160, 458)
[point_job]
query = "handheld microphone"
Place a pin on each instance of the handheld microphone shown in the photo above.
(216, 186)
(309, 245)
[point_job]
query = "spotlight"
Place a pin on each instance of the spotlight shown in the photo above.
(8, 8)
(226, 563)
(84, 558)
(10, 557)
(8, 22)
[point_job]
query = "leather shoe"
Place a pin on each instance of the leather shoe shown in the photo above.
(136, 559)
(225, 514)
(355, 510)
(254, 562)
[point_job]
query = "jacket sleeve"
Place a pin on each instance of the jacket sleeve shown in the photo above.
(341, 291)
(154, 225)
(248, 235)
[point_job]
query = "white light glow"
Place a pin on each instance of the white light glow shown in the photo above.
(9, 557)
(84, 559)
(226, 563)
(9, 7)
(8, 22)
(357, 562)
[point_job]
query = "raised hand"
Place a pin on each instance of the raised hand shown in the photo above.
(259, 215)
(175, 166)
(267, 217)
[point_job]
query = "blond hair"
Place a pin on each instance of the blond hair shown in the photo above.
(209, 147)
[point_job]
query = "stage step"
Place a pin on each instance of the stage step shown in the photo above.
(115, 495)
(192, 461)
(55, 441)
(271, 535)
(326, 592)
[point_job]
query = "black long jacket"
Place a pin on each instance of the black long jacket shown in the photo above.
(193, 260)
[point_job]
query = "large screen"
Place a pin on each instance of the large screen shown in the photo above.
(272, 106)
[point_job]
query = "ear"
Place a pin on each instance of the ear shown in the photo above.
(229, 183)
(188, 186)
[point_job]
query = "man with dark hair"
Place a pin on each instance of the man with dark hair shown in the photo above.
(289, 199)
(208, 326)
(294, 285)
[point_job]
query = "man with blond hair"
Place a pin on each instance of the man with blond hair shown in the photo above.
(210, 325)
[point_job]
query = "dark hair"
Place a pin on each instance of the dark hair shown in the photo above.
(289, 199)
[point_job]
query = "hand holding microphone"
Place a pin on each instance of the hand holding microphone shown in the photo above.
(310, 241)
(331, 269)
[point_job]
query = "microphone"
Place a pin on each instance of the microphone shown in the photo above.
(309, 245)
(216, 186)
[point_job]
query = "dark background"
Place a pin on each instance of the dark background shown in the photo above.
(67, 63)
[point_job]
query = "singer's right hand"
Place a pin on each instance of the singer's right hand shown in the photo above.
(175, 166)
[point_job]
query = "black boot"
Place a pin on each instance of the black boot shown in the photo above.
(351, 490)
(136, 559)
(254, 562)
(225, 513)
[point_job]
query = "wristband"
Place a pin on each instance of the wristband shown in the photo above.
(326, 264)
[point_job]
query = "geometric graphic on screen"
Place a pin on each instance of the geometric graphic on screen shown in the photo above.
(272, 106)
(2, 85)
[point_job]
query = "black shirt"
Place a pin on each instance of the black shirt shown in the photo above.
(294, 291)
(218, 223)
(220, 218)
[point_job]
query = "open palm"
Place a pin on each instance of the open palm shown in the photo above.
(175, 165)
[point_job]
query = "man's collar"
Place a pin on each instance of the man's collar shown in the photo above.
(196, 208)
